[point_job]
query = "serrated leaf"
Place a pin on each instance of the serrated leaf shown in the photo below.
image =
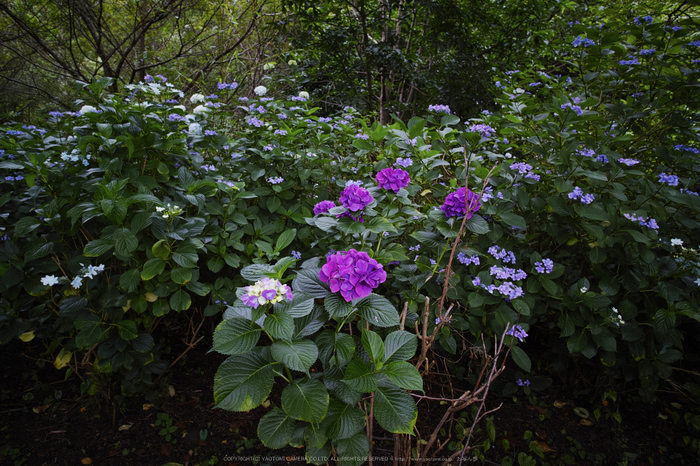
(311, 323)
(404, 375)
(279, 325)
(308, 281)
(394, 409)
(477, 225)
(335, 349)
(297, 355)
(373, 345)
(352, 451)
(256, 272)
(243, 382)
(359, 376)
(306, 400)
(301, 305)
(236, 336)
(343, 420)
(400, 346)
(378, 311)
(336, 306)
(275, 429)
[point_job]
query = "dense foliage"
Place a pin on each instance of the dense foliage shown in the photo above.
(566, 220)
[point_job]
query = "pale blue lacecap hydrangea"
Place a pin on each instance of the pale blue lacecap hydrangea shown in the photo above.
(518, 332)
(280, 132)
(504, 273)
(578, 193)
(684, 148)
(275, 180)
(500, 253)
(439, 109)
(352, 273)
(687, 191)
(544, 266)
(467, 260)
(629, 162)
(633, 61)
(671, 180)
(647, 51)
(583, 41)
(266, 291)
(404, 162)
(602, 158)
(522, 383)
(483, 129)
(296, 254)
(255, 122)
(645, 222)
(575, 108)
(362, 136)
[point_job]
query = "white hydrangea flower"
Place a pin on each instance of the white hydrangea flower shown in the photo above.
(304, 94)
(197, 98)
(195, 128)
(260, 90)
(676, 242)
(269, 66)
(87, 109)
(49, 280)
(201, 109)
(292, 63)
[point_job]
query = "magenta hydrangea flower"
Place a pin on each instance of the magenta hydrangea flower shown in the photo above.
(323, 207)
(355, 198)
(457, 206)
(353, 273)
(393, 179)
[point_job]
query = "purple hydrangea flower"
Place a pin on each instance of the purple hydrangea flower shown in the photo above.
(523, 383)
(323, 207)
(393, 179)
(457, 206)
(355, 198)
(404, 162)
(353, 273)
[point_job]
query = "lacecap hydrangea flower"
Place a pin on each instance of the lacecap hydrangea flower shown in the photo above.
(393, 179)
(267, 290)
(352, 273)
(456, 205)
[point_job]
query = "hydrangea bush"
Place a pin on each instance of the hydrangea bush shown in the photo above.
(569, 216)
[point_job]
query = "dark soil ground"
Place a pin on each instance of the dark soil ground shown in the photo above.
(45, 421)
